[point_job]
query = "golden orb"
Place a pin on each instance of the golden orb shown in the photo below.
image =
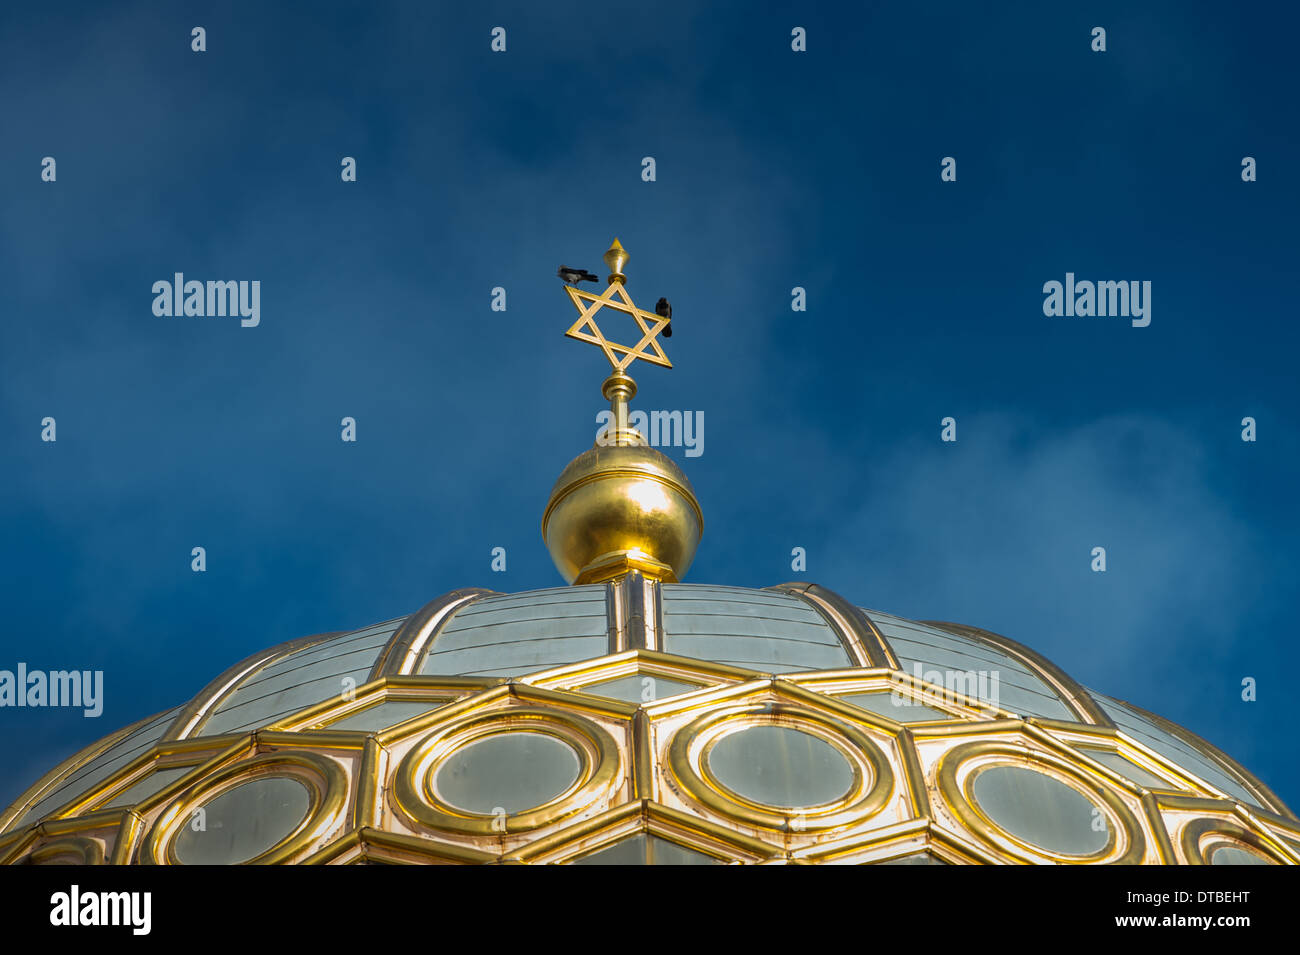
(621, 508)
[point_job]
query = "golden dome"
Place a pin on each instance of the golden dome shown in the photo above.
(633, 719)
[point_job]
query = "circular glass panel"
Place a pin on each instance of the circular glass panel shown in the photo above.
(514, 772)
(1235, 855)
(780, 766)
(243, 822)
(1041, 810)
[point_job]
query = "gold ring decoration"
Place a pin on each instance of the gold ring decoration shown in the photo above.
(599, 770)
(868, 793)
(960, 766)
(82, 850)
(324, 780)
(1194, 834)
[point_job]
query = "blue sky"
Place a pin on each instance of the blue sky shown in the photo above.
(774, 169)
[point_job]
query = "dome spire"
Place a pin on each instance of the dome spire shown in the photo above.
(621, 506)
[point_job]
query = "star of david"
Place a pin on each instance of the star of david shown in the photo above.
(607, 299)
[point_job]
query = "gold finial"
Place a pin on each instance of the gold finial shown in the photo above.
(621, 506)
(615, 258)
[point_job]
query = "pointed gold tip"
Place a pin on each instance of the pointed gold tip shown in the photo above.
(616, 258)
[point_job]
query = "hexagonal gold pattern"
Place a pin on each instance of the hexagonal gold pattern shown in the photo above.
(644, 769)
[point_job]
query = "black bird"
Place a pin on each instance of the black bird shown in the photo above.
(574, 276)
(664, 310)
